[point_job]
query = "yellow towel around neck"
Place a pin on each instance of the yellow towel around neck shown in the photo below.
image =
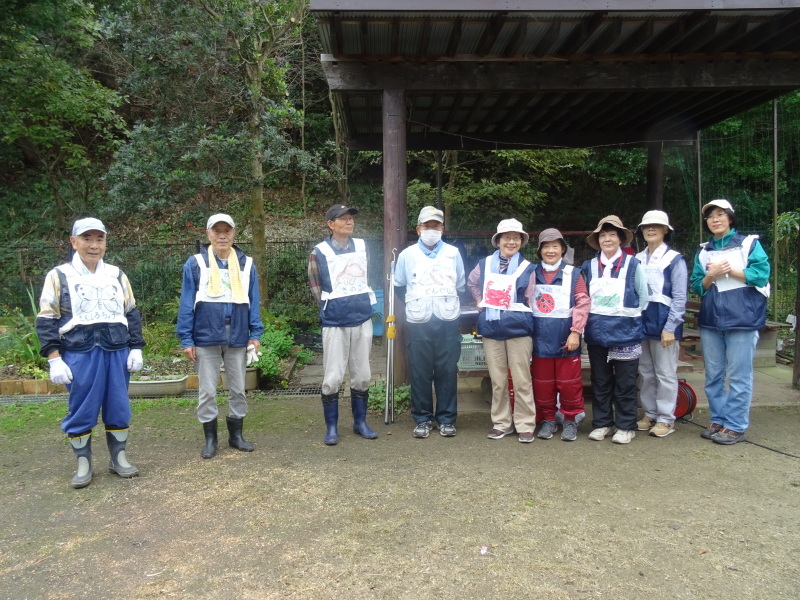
(215, 278)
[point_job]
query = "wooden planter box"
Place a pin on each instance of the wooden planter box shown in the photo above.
(157, 388)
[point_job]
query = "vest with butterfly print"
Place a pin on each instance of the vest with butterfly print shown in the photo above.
(92, 313)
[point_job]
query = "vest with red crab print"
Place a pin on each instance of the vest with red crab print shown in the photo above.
(511, 324)
(550, 335)
(344, 311)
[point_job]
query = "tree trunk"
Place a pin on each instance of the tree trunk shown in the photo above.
(341, 146)
(258, 216)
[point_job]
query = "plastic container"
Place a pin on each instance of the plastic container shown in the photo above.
(378, 318)
(472, 356)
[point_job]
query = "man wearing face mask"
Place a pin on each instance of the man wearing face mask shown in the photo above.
(428, 277)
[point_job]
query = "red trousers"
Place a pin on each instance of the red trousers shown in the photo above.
(557, 379)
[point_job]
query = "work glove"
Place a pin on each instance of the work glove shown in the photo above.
(59, 371)
(252, 355)
(135, 361)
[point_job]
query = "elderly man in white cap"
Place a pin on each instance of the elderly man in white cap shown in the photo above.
(218, 320)
(337, 276)
(428, 277)
(91, 334)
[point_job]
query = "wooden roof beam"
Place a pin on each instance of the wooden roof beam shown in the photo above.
(519, 141)
(583, 33)
(639, 40)
(516, 40)
(779, 72)
(677, 32)
(548, 39)
(491, 33)
(699, 38)
(455, 39)
(762, 37)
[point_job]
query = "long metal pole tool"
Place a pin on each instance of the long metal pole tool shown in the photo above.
(390, 333)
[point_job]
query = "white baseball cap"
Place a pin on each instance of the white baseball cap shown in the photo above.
(721, 202)
(219, 218)
(83, 225)
(430, 213)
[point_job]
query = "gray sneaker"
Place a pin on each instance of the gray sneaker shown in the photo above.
(447, 429)
(570, 432)
(422, 430)
(546, 430)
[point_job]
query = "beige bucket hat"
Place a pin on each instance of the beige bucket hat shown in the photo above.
(616, 222)
(510, 226)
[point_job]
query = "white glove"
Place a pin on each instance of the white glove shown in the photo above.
(59, 371)
(135, 361)
(252, 355)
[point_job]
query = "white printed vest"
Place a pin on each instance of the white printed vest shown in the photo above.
(654, 271)
(737, 259)
(347, 272)
(553, 301)
(607, 294)
(499, 288)
(94, 298)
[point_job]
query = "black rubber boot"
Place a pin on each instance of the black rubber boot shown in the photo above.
(82, 447)
(210, 429)
(330, 407)
(235, 439)
(358, 402)
(117, 439)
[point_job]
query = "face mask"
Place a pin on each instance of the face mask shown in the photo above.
(430, 237)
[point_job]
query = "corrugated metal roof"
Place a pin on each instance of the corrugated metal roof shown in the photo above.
(563, 77)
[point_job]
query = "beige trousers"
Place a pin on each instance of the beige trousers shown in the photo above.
(514, 354)
(346, 349)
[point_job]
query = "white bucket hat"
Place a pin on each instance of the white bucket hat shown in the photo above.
(510, 226)
(721, 202)
(655, 217)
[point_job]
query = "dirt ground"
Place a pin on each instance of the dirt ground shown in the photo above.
(398, 517)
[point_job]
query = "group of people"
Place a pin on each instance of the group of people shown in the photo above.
(532, 318)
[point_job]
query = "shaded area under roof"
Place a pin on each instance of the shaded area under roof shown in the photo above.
(572, 73)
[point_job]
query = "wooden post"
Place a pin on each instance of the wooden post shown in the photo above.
(395, 221)
(655, 176)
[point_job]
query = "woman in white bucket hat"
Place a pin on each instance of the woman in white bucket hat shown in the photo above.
(731, 274)
(502, 286)
(662, 324)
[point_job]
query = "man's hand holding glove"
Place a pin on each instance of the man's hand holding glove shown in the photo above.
(59, 371)
(135, 361)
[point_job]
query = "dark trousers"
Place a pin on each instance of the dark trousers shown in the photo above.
(432, 351)
(613, 390)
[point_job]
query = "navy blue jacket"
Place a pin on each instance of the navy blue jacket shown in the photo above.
(347, 311)
(550, 335)
(203, 324)
(512, 324)
(606, 331)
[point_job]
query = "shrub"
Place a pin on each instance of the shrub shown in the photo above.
(377, 398)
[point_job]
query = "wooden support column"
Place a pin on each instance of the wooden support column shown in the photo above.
(395, 221)
(655, 176)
